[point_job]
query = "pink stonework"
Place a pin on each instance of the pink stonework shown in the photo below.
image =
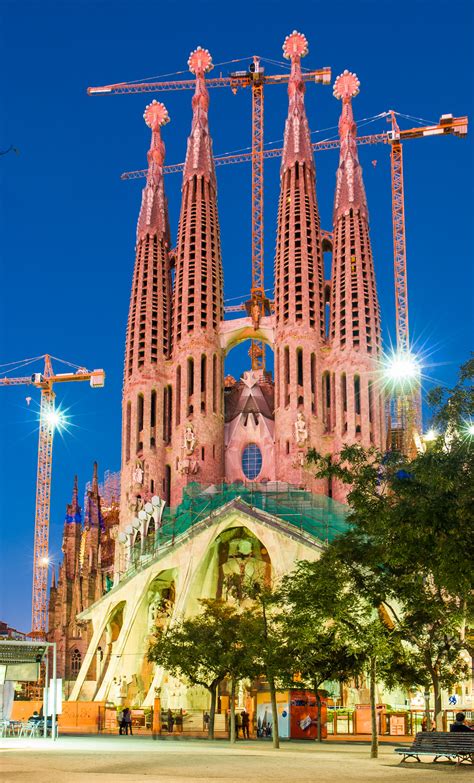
(178, 425)
(148, 341)
(299, 296)
(88, 562)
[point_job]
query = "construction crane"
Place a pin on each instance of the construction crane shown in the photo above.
(405, 417)
(48, 421)
(409, 409)
(255, 78)
(406, 425)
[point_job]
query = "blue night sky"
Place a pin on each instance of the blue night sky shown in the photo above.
(68, 222)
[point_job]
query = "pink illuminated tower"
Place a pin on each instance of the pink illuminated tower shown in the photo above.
(148, 340)
(299, 311)
(352, 405)
(197, 420)
(325, 393)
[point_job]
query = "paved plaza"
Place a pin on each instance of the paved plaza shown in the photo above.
(133, 759)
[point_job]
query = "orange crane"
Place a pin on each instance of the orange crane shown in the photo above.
(48, 421)
(255, 78)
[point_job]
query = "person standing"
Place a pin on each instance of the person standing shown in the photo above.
(170, 721)
(127, 721)
(245, 724)
(120, 722)
(179, 721)
(206, 719)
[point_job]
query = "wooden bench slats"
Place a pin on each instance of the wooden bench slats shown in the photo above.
(441, 744)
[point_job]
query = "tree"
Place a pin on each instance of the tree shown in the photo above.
(410, 545)
(323, 626)
(266, 647)
(197, 649)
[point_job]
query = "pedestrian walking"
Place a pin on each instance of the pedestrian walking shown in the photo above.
(170, 721)
(238, 724)
(245, 724)
(206, 720)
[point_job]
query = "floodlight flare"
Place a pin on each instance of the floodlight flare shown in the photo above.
(401, 370)
(56, 420)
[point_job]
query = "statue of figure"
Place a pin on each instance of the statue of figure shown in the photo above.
(116, 691)
(189, 439)
(153, 611)
(301, 433)
(138, 473)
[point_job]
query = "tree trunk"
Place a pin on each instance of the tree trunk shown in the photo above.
(212, 711)
(374, 745)
(275, 735)
(438, 713)
(319, 737)
(232, 711)
(427, 710)
(341, 691)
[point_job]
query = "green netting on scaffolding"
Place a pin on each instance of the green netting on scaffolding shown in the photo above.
(316, 515)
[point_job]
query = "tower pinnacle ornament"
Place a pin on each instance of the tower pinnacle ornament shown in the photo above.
(200, 61)
(295, 45)
(199, 158)
(346, 86)
(297, 141)
(350, 191)
(152, 217)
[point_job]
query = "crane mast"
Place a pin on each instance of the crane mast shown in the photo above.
(409, 408)
(44, 381)
(258, 305)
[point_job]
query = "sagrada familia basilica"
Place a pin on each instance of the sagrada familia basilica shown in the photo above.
(214, 483)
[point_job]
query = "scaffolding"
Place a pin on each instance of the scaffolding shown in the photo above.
(316, 516)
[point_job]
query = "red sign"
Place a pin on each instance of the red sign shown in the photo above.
(304, 715)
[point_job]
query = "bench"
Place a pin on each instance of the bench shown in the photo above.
(457, 745)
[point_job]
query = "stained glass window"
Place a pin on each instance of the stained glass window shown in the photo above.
(251, 461)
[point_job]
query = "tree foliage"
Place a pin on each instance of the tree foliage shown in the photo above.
(410, 545)
(201, 650)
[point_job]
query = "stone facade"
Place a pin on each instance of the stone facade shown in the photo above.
(85, 574)
(183, 425)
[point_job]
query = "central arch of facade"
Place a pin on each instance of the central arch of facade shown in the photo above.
(238, 330)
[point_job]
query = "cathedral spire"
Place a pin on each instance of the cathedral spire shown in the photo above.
(73, 509)
(148, 341)
(194, 401)
(350, 191)
(299, 311)
(153, 218)
(199, 158)
(95, 480)
(297, 140)
(353, 408)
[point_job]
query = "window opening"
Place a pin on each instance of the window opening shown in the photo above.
(251, 461)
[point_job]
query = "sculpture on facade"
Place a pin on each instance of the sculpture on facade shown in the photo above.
(138, 473)
(189, 439)
(301, 432)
